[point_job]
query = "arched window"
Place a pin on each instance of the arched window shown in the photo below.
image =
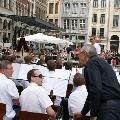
(5, 24)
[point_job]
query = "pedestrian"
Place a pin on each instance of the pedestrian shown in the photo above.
(103, 100)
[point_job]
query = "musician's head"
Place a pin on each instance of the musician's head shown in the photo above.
(6, 68)
(35, 76)
(51, 65)
(87, 51)
(58, 64)
(78, 80)
(28, 59)
(68, 65)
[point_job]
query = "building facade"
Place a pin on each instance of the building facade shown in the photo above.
(10, 29)
(114, 25)
(74, 19)
(53, 11)
(6, 24)
(98, 21)
(104, 23)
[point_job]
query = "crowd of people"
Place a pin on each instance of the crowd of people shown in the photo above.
(95, 91)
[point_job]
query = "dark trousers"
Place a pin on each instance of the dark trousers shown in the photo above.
(110, 110)
(17, 111)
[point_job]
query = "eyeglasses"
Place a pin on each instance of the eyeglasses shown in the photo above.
(9, 68)
(40, 76)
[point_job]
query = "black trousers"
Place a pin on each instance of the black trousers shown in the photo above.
(110, 110)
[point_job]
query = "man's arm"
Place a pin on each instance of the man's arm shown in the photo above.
(86, 107)
(94, 87)
(51, 113)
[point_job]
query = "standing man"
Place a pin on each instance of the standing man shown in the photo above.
(103, 100)
(8, 90)
(34, 98)
(93, 41)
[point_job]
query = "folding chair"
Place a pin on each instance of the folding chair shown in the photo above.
(24, 115)
(2, 110)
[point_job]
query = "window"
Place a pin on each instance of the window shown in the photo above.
(75, 8)
(95, 3)
(66, 24)
(56, 8)
(117, 3)
(5, 3)
(66, 7)
(81, 37)
(93, 31)
(115, 20)
(1, 3)
(82, 24)
(103, 3)
(56, 21)
(101, 32)
(10, 4)
(74, 24)
(5, 24)
(0, 23)
(102, 19)
(94, 19)
(51, 8)
(9, 25)
(50, 20)
(83, 5)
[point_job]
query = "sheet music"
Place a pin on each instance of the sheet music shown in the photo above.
(16, 69)
(60, 88)
(53, 80)
(24, 69)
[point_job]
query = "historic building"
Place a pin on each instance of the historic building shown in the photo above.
(114, 25)
(104, 23)
(6, 24)
(23, 17)
(53, 11)
(74, 19)
(98, 21)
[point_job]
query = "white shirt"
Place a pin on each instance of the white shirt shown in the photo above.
(34, 99)
(8, 91)
(77, 100)
(98, 48)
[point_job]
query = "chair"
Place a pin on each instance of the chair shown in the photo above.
(24, 115)
(2, 110)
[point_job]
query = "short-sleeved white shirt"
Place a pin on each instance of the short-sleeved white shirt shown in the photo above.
(77, 100)
(8, 91)
(35, 99)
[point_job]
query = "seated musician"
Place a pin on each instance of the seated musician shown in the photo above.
(34, 98)
(8, 90)
(78, 97)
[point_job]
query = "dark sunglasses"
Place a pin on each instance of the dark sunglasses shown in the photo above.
(40, 76)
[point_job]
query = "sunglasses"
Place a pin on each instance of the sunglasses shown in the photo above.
(40, 76)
